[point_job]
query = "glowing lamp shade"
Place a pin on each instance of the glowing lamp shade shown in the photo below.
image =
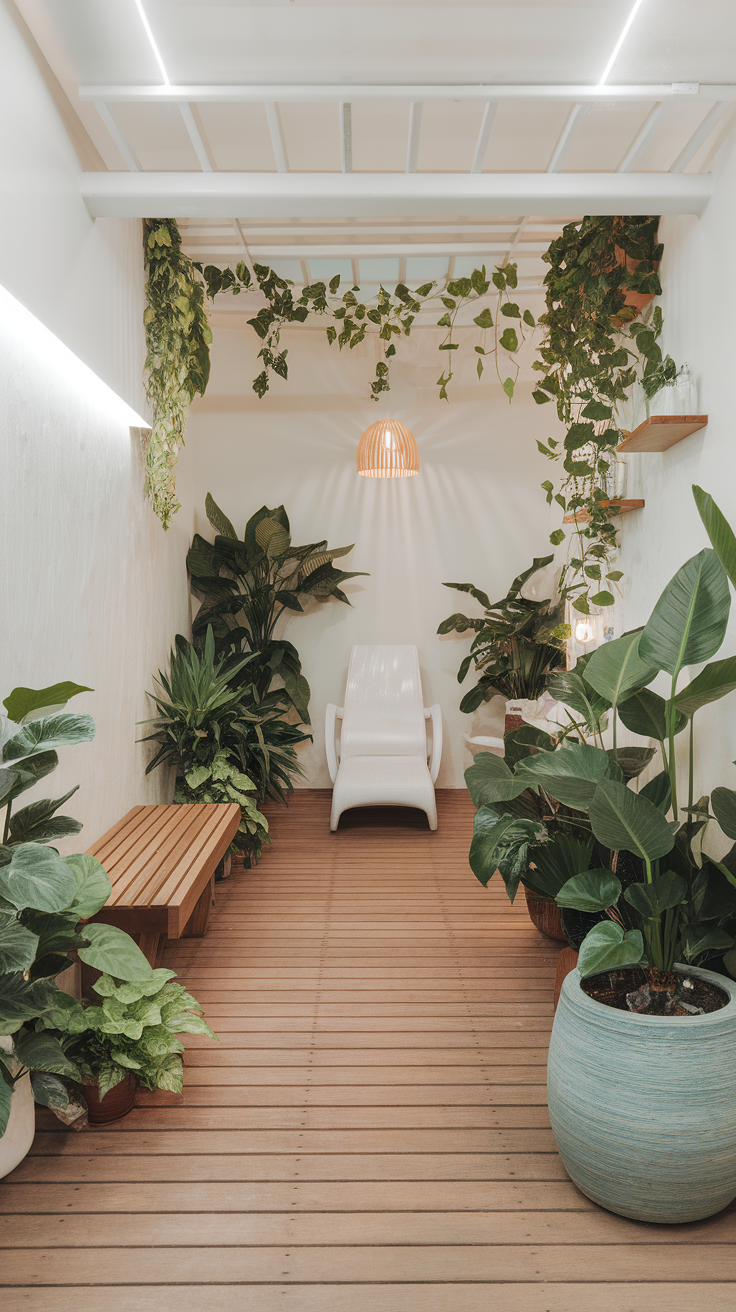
(387, 450)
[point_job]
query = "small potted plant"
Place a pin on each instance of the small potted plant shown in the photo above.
(642, 1079)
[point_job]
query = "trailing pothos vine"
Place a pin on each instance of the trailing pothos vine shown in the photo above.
(603, 271)
(177, 354)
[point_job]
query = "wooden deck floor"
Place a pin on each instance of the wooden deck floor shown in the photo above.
(370, 1134)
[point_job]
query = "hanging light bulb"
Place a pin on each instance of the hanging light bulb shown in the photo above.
(584, 631)
(387, 450)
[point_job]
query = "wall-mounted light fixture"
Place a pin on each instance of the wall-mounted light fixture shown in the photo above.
(387, 450)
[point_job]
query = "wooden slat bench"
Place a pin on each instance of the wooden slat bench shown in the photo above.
(161, 861)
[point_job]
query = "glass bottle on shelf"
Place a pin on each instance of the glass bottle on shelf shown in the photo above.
(685, 391)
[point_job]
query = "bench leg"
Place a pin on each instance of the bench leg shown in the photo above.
(152, 946)
(197, 923)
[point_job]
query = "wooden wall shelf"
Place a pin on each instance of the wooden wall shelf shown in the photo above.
(583, 517)
(660, 432)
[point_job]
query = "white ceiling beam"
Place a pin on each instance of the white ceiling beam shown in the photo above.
(415, 129)
(484, 136)
(699, 137)
(114, 127)
(321, 93)
(392, 195)
(329, 251)
(567, 136)
(195, 136)
(346, 136)
(643, 137)
(294, 230)
(277, 136)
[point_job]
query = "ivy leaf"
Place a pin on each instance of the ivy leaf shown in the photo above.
(484, 319)
(509, 341)
(508, 387)
(529, 319)
(510, 310)
(557, 537)
(540, 397)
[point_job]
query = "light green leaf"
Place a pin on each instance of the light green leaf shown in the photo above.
(719, 531)
(17, 944)
(48, 1090)
(616, 669)
(93, 884)
(570, 775)
(113, 951)
(489, 780)
(593, 890)
(502, 843)
(196, 777)
(688, 623)
(715, 681)
(607, 947)
(60, 730)
(37, 877)
(624, 820)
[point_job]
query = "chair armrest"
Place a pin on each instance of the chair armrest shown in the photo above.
(332, 714)
(434, 713)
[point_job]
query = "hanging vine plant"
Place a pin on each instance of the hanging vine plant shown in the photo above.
(177, 354)
(603, 273)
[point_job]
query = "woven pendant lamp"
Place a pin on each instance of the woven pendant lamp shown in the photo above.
(388, 450)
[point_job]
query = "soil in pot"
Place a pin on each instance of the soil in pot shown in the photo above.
(545, 916)
(655, 992)
(116, 1103)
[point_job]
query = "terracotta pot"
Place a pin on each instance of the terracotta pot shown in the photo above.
(115, 1104)
(637, 300)
(545, 915)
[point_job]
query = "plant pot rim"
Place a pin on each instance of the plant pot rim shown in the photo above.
(614, 1020)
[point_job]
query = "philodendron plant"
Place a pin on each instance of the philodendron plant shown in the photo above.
(564, 819)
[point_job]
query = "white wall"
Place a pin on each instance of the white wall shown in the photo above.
(93, 589)
(474, 513)
(699, 280)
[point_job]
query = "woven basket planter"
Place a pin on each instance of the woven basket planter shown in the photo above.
(643, 1108)
(545, 915)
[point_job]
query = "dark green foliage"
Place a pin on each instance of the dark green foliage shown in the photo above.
(517, 643)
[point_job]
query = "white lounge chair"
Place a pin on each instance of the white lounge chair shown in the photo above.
(382, 757)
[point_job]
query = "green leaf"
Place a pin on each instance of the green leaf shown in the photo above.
(24, 703)
(37, 877)
(632, 761)
(22, 1000)
(508, 387)
(596, 410)
(489, 780)
(510, 310)
(723, 801)
(659, 792)
(607, 947)
(603, 598)
(38, 824)
(616, 668)
(557, 537)
(570, 775)
(644, 713)
(502, 843)
(592, 890)
(17, 944)
(688, 623)
(508, 340)
(114, 953)
(698, 939)
(719, 531)
(219, 521)
(484, 319)
(529, 319)
(715, 681)
(48, 1090)
(6, 1093)
(652, 900)
(624, 820)
(39, 736)
(555, 862)
(42, 1052)
(93, 885)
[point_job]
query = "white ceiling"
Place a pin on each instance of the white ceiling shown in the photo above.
(102, 43)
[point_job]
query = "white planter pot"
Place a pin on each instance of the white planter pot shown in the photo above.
(16, 1142)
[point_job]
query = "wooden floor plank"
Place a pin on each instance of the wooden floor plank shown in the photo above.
(370, 1134)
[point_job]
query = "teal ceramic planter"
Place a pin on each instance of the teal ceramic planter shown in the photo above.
(643, 1108)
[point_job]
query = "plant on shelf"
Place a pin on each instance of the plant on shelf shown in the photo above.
(133, 1030)
(603, 270)
(177, 354)
(517, 643)
(203, 730)
(656, 896)
(246, 585)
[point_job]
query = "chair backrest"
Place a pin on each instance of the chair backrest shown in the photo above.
(384, 710)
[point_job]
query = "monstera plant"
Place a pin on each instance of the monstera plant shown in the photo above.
(246, 585)
(565, 821)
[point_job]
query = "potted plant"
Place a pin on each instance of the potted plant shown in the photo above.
(129, 1039)
(642, 1083)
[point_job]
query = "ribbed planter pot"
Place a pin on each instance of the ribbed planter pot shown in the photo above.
(15, 1144)
(545, 915)
(643, 1108)
(116, 1103)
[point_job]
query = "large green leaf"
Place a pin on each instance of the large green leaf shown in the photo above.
(631, 761)
(570, 775)
(616, 669)
(688, 623)
(555, 862)
(723, 801)
(17, 944)
(652, 900)
(93, 885)
(644, 713)
(719, 531)
(6, 1093)
(48, 1090)
(37, 877)
(218, 519)
(22, 1000)
(659, 791)
(33, 769)
(42, 1052)
(26, 703)
(37, 823)
(592, 890)
(607, 947)
(50, 732)
(714, 682)
(502, 843)
(489, 780)
(113, 952)
(624, 820)
(700, 939)
(570, 688)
